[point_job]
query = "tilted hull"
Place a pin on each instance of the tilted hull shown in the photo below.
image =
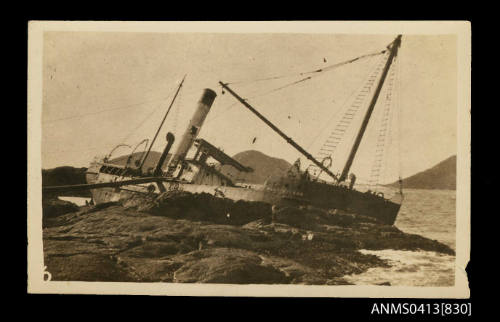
(316, 194)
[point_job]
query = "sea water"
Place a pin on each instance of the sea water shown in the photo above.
(79, 201)
(429, 213)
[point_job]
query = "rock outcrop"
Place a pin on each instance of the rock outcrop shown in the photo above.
(62, 176)
(186, 238)
(53, 207)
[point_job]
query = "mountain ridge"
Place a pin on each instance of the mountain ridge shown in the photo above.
(264, 166)
(440, 176)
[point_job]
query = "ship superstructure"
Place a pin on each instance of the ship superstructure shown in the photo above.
(176, 171)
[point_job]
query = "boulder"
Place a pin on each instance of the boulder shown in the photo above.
(224, 265)
(53, 207)
(179, 240)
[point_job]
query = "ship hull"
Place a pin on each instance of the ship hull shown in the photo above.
(314, 194)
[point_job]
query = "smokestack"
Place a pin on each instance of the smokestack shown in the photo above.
(170, 141)
(187, 140)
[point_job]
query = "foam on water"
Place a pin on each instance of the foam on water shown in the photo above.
(429, 213)
(408, 269)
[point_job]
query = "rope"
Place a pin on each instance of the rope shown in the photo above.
(176, 111)
(331, 67)
(123, 140)
(116, 147)
(144, 120)
(325, 69)
(318, 71)
(228, 107)
(362, 84)
(384, 139)
(399, 116)
(387, 147)
(145, 142)
(103, 111)
(339, 130)
(280, 88)
(310, 77)
(163, 120)
(394, 106)
(71, 151)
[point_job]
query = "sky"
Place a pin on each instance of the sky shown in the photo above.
(101, 89)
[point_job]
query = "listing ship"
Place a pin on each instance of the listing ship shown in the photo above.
(186, 168)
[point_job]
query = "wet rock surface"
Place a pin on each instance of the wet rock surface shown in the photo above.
(186, 238)
(53, 207)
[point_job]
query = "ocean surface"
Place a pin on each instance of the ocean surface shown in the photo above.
(79, 201)
(429, 213)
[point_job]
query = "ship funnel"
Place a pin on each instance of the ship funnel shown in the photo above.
(170, 141)
(187, 140)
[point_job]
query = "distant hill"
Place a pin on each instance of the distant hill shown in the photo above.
(263, 165)
(150, 162)
(441, 176)
(62, 176)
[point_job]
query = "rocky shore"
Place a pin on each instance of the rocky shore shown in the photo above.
(186, 238)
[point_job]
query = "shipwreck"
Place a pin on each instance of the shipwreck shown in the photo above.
(176, 171)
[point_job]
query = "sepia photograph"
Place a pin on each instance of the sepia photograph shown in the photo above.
(249, 158)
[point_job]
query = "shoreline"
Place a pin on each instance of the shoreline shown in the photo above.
(189, 239)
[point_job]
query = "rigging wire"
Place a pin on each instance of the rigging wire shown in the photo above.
(116, 147)
(339, 132)
(384, 137)
(147, 117)
(163, 120)
(176, 111)
(389, 140)
(317, 71)
(122, 141)
(226, 109)
(230, 106)
(345, 103)
(105, 110)
(140, 124)
(320, 70)
(395, 119)
(255, 95)
(71, 151)
(134, 130)
(281, 87)
(399, 118)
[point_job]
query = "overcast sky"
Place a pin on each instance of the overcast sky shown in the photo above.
(102, 89)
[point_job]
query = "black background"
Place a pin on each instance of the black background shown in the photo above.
(66, 307)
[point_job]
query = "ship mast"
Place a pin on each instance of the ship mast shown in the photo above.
(394, 46)
(162, 121)
(283, 135)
